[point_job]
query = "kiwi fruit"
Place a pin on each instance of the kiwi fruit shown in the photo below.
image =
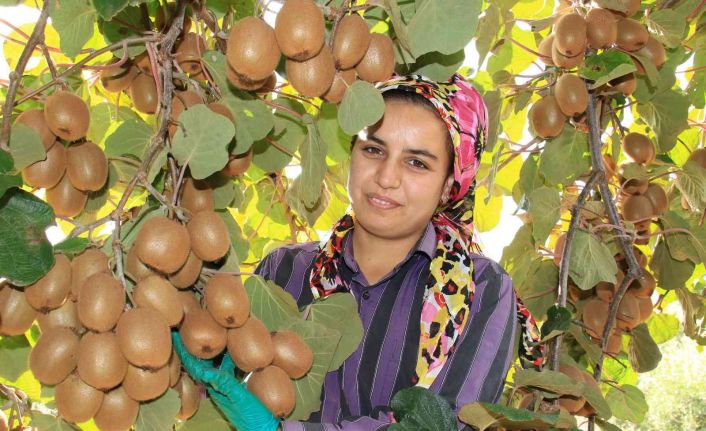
(609, 165)
(65, 316)
(300, 29)
(174, 369)
(196, 195)
(570, 34)
(639, 256)
(188, 54)
(654, 51)
(350, 42)
(100, 362)
(626, 84)
(117, 411)
(559, 248)
(53, 358)
(605, 290)
(632, 35)
(645, 306)
(312, 77)
(67, 115)
(50, 291)
(273, 387)
(158, 294)
(145, 385)
(118, 78)
(182, 101)
(242, 82)
(594, 316)
(637, 208)
(644, 286)
(48, 172)
(601, 28)
(378, 64)
(144, 338)
(101, 301)
(134, 268)
(341, 81)
(210, 240)
(252, 50)
(546, 117)
(570, 403)
(250, 345)
(143, 92)
(545, 50)
(658, 198)
(615, 343)
(91, 261)
(203, 337)
(86, 166)
(571, 95)
(188, 301)
(292, 354)
(188, 274)
(227, 300)
(34, 119)
(190, 397)
(163, 244)
(639, 147)
(565, 62)
(698, 156)
(143, 64)
(628, 312)
(77, 401)
(16, 314)
(65, 199)
(221, 109)
(238, 164)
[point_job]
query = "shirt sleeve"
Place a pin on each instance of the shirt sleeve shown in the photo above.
(360, 423)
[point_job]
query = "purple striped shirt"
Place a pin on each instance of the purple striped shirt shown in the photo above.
(357, 395)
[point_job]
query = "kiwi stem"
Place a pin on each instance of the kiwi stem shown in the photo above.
(281, 148)
(161, 198)
(526, 48)
(17, 404)
(283, 108)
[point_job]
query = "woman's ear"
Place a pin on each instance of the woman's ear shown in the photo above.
(446, 191)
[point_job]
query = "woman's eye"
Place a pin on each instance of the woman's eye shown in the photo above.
(372, 150)
(418, 164)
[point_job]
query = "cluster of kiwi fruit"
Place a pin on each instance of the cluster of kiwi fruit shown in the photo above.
(313, 67)
(70, 172)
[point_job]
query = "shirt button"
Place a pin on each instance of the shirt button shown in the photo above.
(366, 295)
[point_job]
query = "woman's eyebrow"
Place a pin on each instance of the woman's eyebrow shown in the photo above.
(415, 151)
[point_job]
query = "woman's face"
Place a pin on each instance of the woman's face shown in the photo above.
(398, 172)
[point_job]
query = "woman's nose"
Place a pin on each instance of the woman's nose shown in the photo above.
(388, 174)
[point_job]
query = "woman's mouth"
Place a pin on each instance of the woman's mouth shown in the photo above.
(382, 202)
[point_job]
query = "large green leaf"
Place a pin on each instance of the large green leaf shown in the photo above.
(669, 272)
(46, 422)
(288, 133)
(14, 357)
(694, 307)
(565, 157)
(107, 9)
(7, 181)
(691, 181)
(72, 246)
(202, 141)
(488, 27)
(127, 23)
(340, 312)
(666, 113)
(26, 146)
(538, 289)
(309, 213)
(130, 138)
(25, 253)
(558, 321)
(337, 141)
(627, 402)
(643, 352)
(551, 381)
(608, 65)
(313, 162)
(445, 26)
(270, 303)
(438, 66)
(494, 103)
(680, 244)
(667, 26)
(418, 408)
(591, 261)
(207, 418)
(545, 210)
(530, 178)
(159, 414)
(362, 106)
(253, 121)
(73, 20)
(215, 62)
(485, 415)
(663, 327)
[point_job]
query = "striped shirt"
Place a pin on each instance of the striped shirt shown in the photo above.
(357, 395)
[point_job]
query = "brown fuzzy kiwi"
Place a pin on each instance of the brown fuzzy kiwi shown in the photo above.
(378, 64)
(86, 166)
(221, 109)
(250, 345)
(34, 119)
(118, 78)
(163, 244)
(594, 316)
(65, 199)
(50, 291)
(188, 274)
(65, 316)
(351, 41)
(545, 50)
(605, 290)
(252, 50)
(77, 401)
(644, 286)
(646, 308)
(91, 261)
(698, 156)
(145, 385)
(654, 51)
(48, 172)
(565, 62)
(312, 77)
(189, 395)
(143, 64)
(174, 369)
(601, 28)
(188, 301)
(158, 294)
(572, 404)
(203, 337)
(118, 411)
(299, 29)
(292, 354)
(144, 338)
(182, 101)
(658, 198)
(242, 82)
(626, 84)
(100, 362)
(570, 34)
(227, 300)
(273, 387)
(16, 315)
(341, 81)
(134, 268)
(628, 312)
(210, 240)
(637, 208)
(546, 117)
(633, 186)
(196, 195)
(67, 115)
(639, 147)
(101, 301)
(238, 164)
(188, 54)
(632, 35)
(571, 95)
(143, 92)
(54, 356)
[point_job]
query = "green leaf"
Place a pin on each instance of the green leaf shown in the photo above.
(667, 26)
(438, 66)
(530, 178)
(25, 253)
(669, 272)
(565, 157)
(551, 381)
(72, 246)
(130, 138)
(643, 352)
(26, 146)
(558, 321)
(538, 290)
(73, 20)
(694, 306)
(202, 141)
(593, 352)
(215, 62)
(691, 181)
(595, 398)
(485, 415)
(679, 243)
(124, 25)
(616, 5)
(663, 327)
(362, 106)
(287, 134)
(606, 66)
(223, 190)
(446, 26)
(591, 261)
(253, 121)
(207, 418)
(666, 113)
(393, 10)
(270, 303)
(339, 311)
(107, 9)
(159, 414)
(545, 210)
(337, 141)
(419, 408)
(627, 402)
(310, 214)
(14, 356)
(47, 422)
(489, 26)
(313, 163)
(494, 103)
